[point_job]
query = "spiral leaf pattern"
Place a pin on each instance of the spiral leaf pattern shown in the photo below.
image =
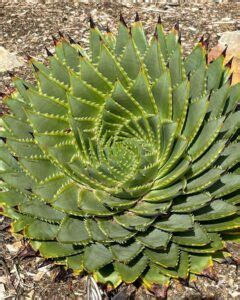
(123, 160)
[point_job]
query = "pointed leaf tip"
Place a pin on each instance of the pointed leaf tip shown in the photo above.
(229, 63)
(201, 40)
(25, 86)
(3, 94)
(230, 79)
(35, 68)
(176, 26)
(10, 74)
(122, 20)
(71, 40)
(61, 34)
(108, 29)
(206, 42)
(55, 40)
(180, 38)
(92, 23)
(159, 21)
(4, 139)
(48, 52)
(137, 18)
(224, 53)
(28, 57)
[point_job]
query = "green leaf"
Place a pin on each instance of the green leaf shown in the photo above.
(94, 230)
(205, 138)
(89, 203)
(130, 60)
(203, 181)
(18, 181)
(48, 189)
(139, 37)
(75, 262)
(216, 210)
(180, 103)
(198, 82)
(225, 224)
(39, 230)
(191, 203)
(108, 276)
(141, 92)
(161, 91)
(59, 70)
(125, 253)
(96, 256)
(230, 156)
(176, 223)
(162, 41)
(176, 66)
(83, 90)
(41, 211)
(21, 222)
(73, 230)
(153, 277)
(47, 123)
(95, 43)
(214, 73)
(71, 55)
(67, 200)
(131, 221)
(218, 101)
(199, 263)
(196, 237)
(164, 194)
(153, 60)
(233, 98)
(174, 175)
(195, 59)
(167, 258)
(11, 198)
(195, 116)
(207, 159)
(151, 209)
(115, 231)
(39, 168)
(122, 39)
(17, 107)
(113, 202)
(215, 245)
(154, 238)
(18, 128)
(183, 267)
(229, 183)
(93, 77)
(45, 104)
(56, 250)
(129, 273)
(50, 87)
(24, 148)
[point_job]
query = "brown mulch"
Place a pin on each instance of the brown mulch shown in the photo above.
(26, 29)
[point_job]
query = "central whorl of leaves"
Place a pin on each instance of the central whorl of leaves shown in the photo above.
(123, 161)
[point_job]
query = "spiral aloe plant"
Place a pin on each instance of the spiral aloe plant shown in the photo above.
(123, 160)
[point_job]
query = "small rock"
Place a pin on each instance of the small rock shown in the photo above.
(9, 61)
(14, 248)
(232, 39)
(2, 291)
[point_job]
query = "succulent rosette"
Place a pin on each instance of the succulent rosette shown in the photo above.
(123, 160)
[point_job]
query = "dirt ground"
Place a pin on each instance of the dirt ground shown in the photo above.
(26, 29)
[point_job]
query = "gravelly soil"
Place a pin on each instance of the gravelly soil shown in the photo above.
(27, 29)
